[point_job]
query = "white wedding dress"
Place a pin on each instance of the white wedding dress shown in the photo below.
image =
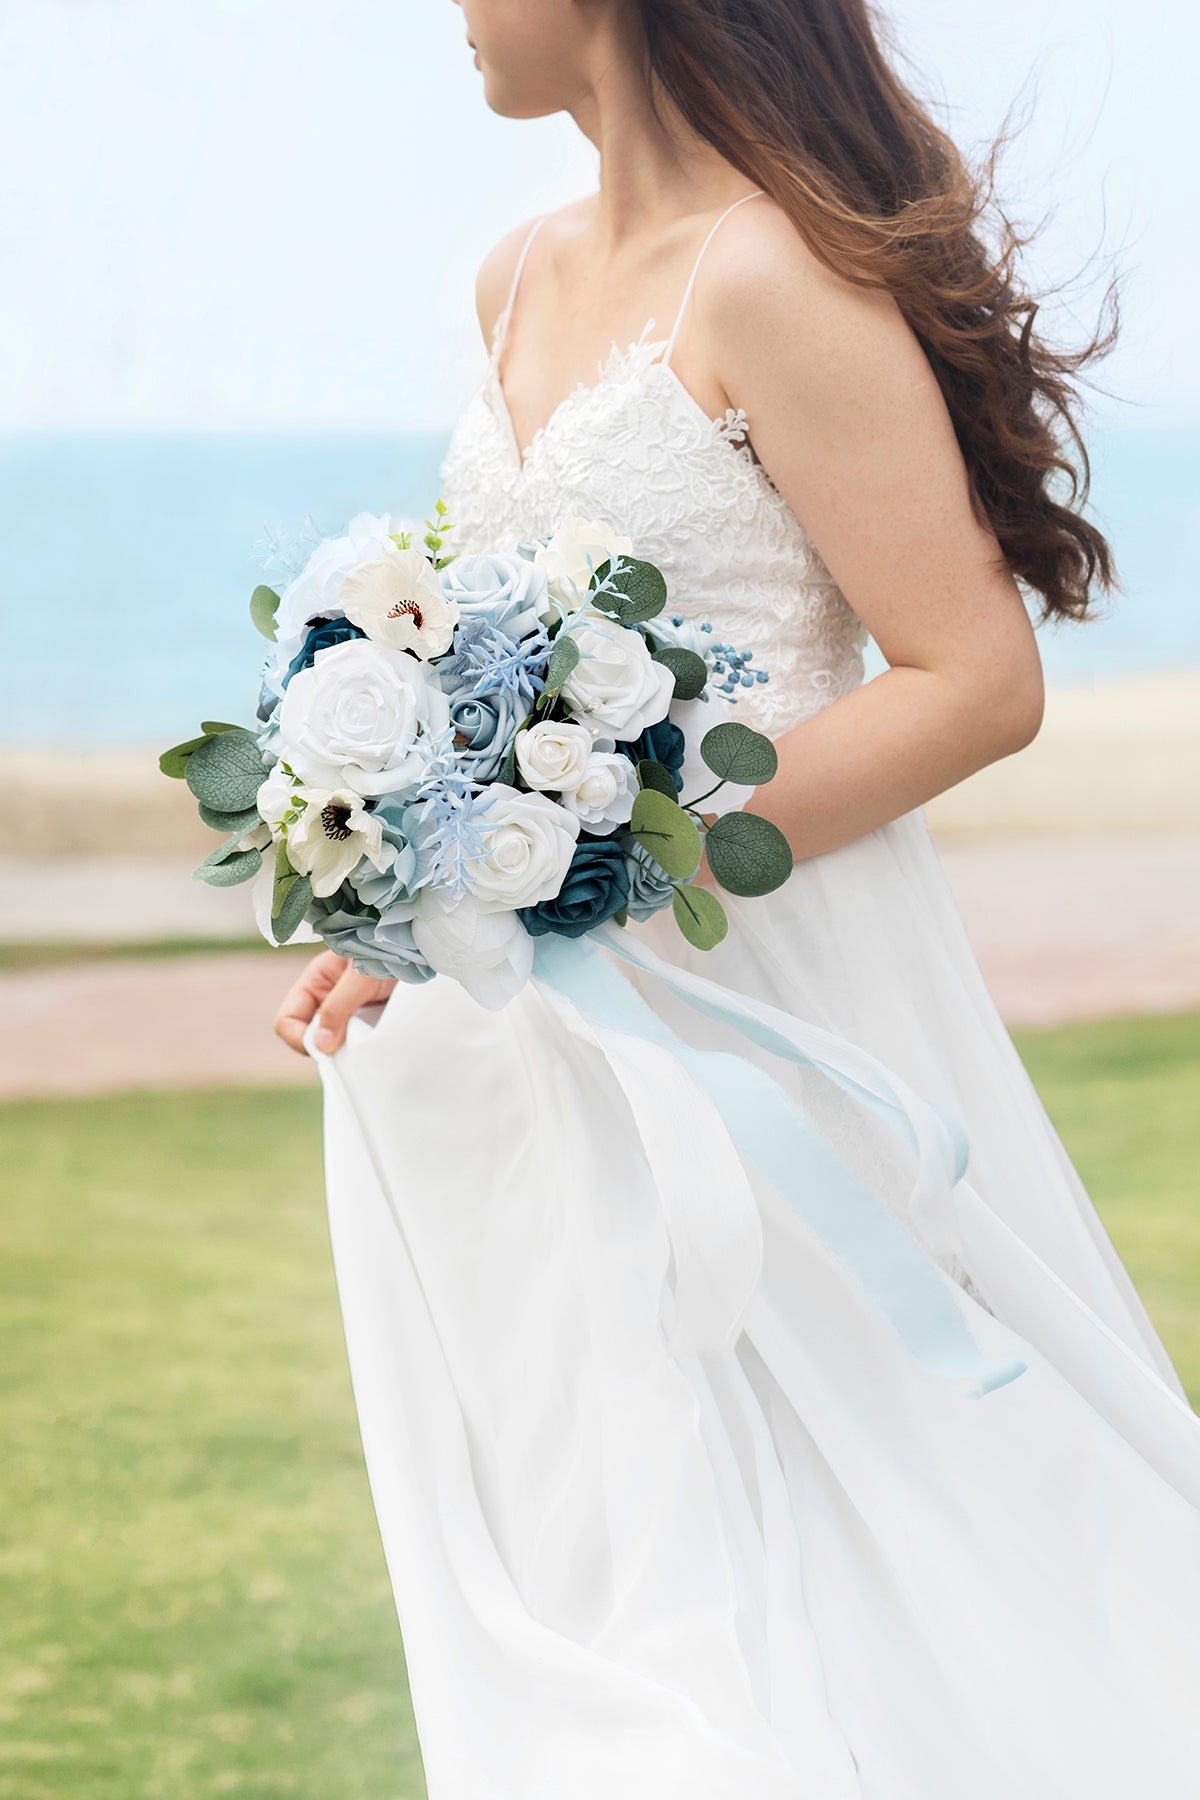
(789, 1562)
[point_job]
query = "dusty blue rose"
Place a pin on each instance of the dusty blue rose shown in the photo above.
(662, 743)
(510, 591)
(483, 726)
(596, 887)
(321, 636)
(377, 945)
(650, 887)
(390, 888)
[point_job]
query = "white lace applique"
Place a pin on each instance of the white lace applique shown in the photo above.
(634, 447)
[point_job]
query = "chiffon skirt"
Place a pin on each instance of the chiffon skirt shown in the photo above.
(796, 1564)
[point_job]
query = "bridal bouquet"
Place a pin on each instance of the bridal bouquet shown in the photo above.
(456, 755)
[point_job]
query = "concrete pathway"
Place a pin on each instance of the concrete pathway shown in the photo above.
(1065, 928)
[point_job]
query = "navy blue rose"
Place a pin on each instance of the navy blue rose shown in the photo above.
(321, 636)
(662, 743)
(596, 887)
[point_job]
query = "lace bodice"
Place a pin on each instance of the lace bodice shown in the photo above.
(637, 450)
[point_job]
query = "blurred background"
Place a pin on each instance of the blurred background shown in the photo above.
(240, 246)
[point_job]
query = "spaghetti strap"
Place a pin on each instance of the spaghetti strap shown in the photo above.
(687, 292)
(500, 329)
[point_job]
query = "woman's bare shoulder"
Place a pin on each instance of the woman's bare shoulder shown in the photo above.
(499, 265)
(762, 291)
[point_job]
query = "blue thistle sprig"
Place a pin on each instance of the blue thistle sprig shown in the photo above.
(489, 661)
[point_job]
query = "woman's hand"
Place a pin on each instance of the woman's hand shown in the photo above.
(331, 985)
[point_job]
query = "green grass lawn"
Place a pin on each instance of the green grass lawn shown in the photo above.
(193, 1593)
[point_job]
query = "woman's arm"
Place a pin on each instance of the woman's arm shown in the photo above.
(847, 418)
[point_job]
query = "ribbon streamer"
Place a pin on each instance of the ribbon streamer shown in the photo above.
(924, 1305)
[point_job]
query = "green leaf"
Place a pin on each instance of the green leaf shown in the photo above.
(563, 658)
(227, 865)
(241, 822)
(652, 775)
(264, 603)
(746, 854)
(507, 773)
(225, 772)
(700, 916)
(641, 591)
(214, 727)
(662, 827)
(295, 904)
(173, 762)
(736, 753)
(622, 917)
(690, 671)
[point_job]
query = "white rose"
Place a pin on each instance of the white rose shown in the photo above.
(397, 600)
(490, 953)
(605, 796)
(553, 755)
(616, 683)
(332, 835)
(316, 591)
(528, 844)
(362, 718)
(575, 550)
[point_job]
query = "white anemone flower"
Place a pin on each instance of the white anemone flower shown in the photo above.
(398, 600)
(331, 836)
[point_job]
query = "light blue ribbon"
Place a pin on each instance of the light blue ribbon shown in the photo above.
(925, 1306)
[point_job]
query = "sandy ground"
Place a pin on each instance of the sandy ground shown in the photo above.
(1065, 928)
(1111, 756)
(1076, 864)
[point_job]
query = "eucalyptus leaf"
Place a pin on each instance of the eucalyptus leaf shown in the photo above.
(264, 603)
(563, 658)
(700, 916)
(226, 866)
(241, 822)
(173, 762)
(736, 753)
(652, 775)
(296, 902)
(662, 827)
(748, 855)
(225, 772)
(690, 671)
(640, 591)
(622, 917)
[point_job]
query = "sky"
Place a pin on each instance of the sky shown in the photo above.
(260, 214)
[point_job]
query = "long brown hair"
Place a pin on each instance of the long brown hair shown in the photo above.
(801, 98)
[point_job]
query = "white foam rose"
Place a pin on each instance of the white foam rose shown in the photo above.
(528, 844)
(616, 684)
(397, 600)
(490, 953)
(574, 551)
(553, 755)
(362, 717)
(604, 797)
(331, 836)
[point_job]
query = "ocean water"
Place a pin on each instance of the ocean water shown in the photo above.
(127, 560)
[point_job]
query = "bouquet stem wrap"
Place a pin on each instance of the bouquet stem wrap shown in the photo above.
(717, 1244)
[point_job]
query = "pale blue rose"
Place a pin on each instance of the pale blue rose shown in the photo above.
(379, 945)
(650, 887)
(506, 590)
(389, 888)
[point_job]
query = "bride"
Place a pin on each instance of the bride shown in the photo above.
(779, 1552)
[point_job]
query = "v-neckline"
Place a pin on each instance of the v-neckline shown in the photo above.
(617, 360)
